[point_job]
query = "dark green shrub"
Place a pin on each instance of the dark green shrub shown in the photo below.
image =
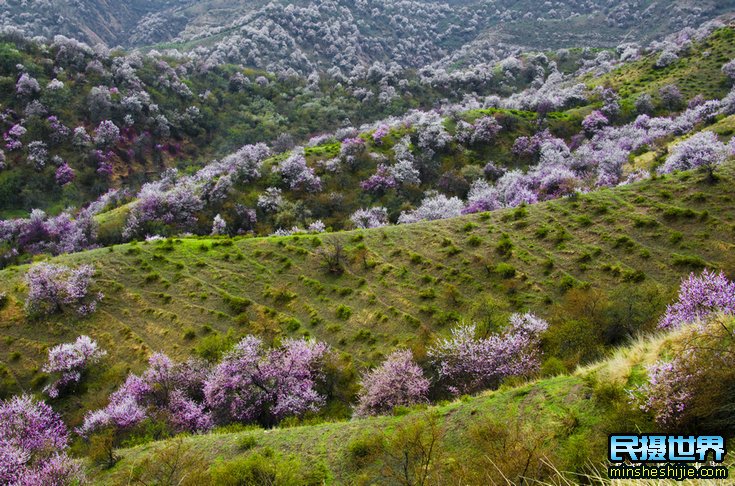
(343, 312)
(505, 270)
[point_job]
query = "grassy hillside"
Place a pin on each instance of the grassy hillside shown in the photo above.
(697, 71)
(601, 267)
(530, 430)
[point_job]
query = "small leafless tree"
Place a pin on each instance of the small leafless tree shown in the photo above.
(333, 256)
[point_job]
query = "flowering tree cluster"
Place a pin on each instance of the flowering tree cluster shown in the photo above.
(42, 234)
(379, 182)
(298, 175)
(668, 391)
(482, 197)
(37, 154)
(106, 134)
(52, 288)
(404, 172)
(463, 363)
(12, 137)
(271, 200)
(351, 150)
(482, 131)
(728, 69)
(70, 361)
(166, 391)
(530, 146)
(467, 364)
(33, 445)
(398, 381)
(160, 203)
(700, 296)
(702, 150)
(64, 174)
(671, 97)
(370, 218)
(252, 384)
(433, 207)
(219, 226)
(594, 122)
(27, 85)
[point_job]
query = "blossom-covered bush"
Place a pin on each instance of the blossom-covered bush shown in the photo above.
(433, 207)
(482, 197)
(370, 218)
(64, 174)
(53, 288)
(594, 122)
(398, 381)
(644, 104)
(467, 364)
(700, 296)
(666, 58)
(298, 175)
(70, 361)
(80, 138)
(27, 85)
(254, 384)
(159, 203)
(42, 234)
(107, 134)
(12, 137)
(484, 130)
(404, 172)
(702, 150)
(728, 69)
(671, 97)
(351, 150)
(271, 200)
(379, 182)
(219, 226)
(166, 391)
(37, 154)
(33, 446)
(380, 133)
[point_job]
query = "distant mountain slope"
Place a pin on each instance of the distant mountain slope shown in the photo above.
(96, 21)
(307, 34)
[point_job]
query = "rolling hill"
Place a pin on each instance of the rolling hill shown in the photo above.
(623, 249)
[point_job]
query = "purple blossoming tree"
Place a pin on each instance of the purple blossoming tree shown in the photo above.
(379, 182)
(594, 122)
(467, 364)
(298, 175)
(702, 150)
(370, 218)
(64, 174)
(699, 297)
(51, 288)
(33, 445)
(398, 381)
(70, 361)
(253, 384)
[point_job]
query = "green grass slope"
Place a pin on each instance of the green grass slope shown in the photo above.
(697, 71)
(627, 246)
(533, 430)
